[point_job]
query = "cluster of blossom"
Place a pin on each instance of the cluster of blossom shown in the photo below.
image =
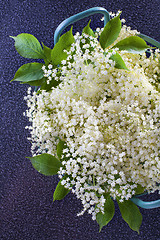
(109, 119)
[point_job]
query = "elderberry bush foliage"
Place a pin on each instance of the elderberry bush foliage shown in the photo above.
(95, 118)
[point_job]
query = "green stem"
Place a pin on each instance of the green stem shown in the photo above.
(94, 181)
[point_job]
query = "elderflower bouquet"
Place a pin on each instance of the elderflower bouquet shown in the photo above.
(95, 117)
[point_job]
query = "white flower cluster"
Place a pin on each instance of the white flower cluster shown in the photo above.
(109, 119)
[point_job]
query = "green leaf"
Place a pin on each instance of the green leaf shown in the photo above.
(60, 146)
(88, 30)
(109, 210)
(48, 87)
(28, 46)
(131, 214)
(119, 63)
(132, 44)
(110, 32)
(60, 191)
(47, 53)
(139, 189)
(29, 72)
(46, 164)
(35, 82)
(64, 43)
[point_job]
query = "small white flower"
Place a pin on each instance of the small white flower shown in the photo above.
(50, 66)
(43, 67)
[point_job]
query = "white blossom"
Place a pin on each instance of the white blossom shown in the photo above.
(109, 119)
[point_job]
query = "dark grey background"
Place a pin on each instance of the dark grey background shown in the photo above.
(27, 211)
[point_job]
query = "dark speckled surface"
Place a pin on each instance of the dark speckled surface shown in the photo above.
(27, 211)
